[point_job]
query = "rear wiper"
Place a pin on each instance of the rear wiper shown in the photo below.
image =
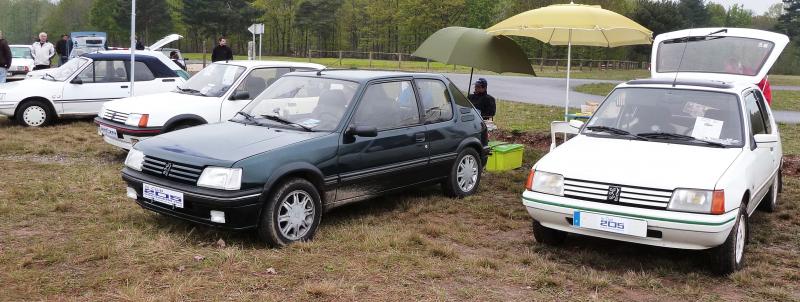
(285, 121)
(668, 136)
(614, 131)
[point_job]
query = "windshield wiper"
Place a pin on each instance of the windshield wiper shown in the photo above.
(285, 121)
(614, 131)
(51, 76)
(190, 90)
(248, 117)
(675, 136)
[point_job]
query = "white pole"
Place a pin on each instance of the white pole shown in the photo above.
(253, 55)
(133, 43)
(569, 65)
(260, 40)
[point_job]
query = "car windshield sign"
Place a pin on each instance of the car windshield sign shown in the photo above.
(214, 80)
(303, 103)
(670, 115)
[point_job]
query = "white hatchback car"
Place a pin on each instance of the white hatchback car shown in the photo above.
(21, 62)
(681, 160)
(214, 94)
(82, 85)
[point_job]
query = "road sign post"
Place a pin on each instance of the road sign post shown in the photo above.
(257, 29)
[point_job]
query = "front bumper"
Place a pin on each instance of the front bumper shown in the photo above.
(127, 136)
(242, 208)
(665, 228)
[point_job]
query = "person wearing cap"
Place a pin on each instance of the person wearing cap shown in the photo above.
(482, 101)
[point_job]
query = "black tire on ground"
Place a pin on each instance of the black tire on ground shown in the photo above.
(547, 235)
(269, 228)
(34, 114)
(451, 186)
(770, 202)
(183, 125)
(724, 260)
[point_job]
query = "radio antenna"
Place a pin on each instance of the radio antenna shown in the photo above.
(686, 41)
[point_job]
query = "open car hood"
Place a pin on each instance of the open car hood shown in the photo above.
(164, 41)
(722, 54)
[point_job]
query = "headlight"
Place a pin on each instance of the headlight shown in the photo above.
(134, 160)
(137, 120)
(698, 201)
(548, 183)
(221, 178)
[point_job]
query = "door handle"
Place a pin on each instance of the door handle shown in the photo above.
(168, 80)
(123, 86)
(419, 137)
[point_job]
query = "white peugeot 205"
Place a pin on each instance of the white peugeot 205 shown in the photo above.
(681, 160)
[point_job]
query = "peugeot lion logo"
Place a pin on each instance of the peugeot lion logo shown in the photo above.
(169, 167)
(613, 193)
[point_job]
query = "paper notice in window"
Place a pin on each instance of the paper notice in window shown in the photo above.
(706, 128)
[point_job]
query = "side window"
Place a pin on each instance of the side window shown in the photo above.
(142, 72)
(110, 72)
(764, 112)
(757, 125)
(87, 75)
(259, 79)
(388, 105)
(435, 99)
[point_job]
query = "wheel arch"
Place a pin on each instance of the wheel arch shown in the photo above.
(472, 142)
(50, 104)
(184, 118)
(296, 170)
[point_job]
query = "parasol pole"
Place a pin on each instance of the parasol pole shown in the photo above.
(469, 85)
(569, 65)
(133, 43)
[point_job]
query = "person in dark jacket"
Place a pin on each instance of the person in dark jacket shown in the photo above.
(5, 58)
(222, 52)
(139, 45)
(62, 49)
(482, 101)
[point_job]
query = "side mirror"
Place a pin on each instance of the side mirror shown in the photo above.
(77, 81)
(576, 124)
(363, 131)
(240, 95)
(765, 139)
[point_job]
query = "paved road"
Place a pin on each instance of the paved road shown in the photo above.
(550, 91)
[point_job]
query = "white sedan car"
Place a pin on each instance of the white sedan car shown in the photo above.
(82, 85)
(21, 62)
(214, 94)
(681, 160)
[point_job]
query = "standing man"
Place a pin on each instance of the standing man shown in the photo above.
(222, 52)
(62, 49)
(5, 58)
(482, 101)
(42, 52)
(139, 45)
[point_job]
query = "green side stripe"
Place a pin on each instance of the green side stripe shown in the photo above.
(628, 215)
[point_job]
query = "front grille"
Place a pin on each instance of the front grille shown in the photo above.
(171, 170)
(115, 116)
(629, 195)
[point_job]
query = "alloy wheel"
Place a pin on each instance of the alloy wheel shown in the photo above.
(296, 215)
(467, 173)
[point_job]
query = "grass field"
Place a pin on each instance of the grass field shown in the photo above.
(69, 233)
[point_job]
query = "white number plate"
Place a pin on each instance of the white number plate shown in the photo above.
(108, 131)
(162, 195)
(609, 223)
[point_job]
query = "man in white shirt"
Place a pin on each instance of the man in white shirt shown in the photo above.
(42, 52)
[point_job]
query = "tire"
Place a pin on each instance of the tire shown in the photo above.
(468, 166)
(729, 257)
(35, 114)
(277, 232)
(547, 235)
(182, 126)
(770, 202)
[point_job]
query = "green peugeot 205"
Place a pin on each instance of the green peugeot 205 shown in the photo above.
(311, 142)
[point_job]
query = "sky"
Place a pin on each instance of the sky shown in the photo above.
(757, 6)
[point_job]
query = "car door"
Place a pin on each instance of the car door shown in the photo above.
(397, 156)
(249, 88)
(442, 135)
(98, 82)
(762, 156)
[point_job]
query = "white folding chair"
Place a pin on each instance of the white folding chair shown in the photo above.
(557, 127)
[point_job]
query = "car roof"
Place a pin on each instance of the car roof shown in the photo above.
(361, 75)
(257, 63)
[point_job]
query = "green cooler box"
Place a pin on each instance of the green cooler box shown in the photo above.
(504, 156)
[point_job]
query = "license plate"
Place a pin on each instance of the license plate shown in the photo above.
(162, 195)
(614, 224)
(108, 131)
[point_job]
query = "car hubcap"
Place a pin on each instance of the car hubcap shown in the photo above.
(296, 215)
(467, 174)
(740, 239)
(34, 116)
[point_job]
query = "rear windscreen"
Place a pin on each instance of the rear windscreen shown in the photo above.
(728, 55)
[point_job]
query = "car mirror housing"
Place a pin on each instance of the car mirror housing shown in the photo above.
(77, 81)
(765, 138)
(363, 131)
(240, 95)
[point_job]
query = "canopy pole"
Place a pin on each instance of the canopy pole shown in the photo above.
(569, 65)
(469, 85)
(133, 44)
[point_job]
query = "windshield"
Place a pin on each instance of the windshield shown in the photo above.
(65, 71)
(214, 80)
(728, 55)
(659, 113)
(21, 53)
(311, 102)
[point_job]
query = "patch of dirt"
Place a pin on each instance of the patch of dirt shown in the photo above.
(791, 165)
(539, 140)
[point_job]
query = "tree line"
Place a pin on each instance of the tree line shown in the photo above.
(293, 27)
